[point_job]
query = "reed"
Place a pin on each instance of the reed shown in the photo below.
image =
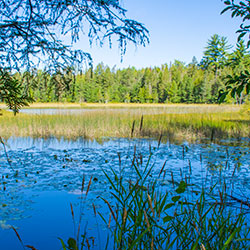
(136, 122)
(150, 217)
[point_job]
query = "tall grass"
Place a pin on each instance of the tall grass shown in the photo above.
(119, 123)
(145, 215)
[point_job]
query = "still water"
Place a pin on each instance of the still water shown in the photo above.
(41, 178)
(179, 109)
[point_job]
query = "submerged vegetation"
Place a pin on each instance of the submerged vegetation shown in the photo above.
(151, 204)
(147, 214)
(170, 121)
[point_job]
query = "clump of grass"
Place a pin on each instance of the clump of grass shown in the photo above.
(146, 216)
(119, 123)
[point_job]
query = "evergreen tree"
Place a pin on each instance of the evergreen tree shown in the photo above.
(215, 55)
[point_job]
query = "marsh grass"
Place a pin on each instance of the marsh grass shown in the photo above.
(191, 123)
(146, 216)
(80, 240)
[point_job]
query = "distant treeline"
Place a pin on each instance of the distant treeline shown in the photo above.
(196, 82)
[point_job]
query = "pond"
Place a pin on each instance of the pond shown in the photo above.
(77, 111)
(170, 109)
(42, 178)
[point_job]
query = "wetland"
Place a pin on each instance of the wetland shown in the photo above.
(50, 184)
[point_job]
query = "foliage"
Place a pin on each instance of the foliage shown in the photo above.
(31, 33)
(240, 9)
(174, 122)
(32, 30)
(177, 82)
(173, 83)
(146, 212)
(215, 54)
(12, 92)
(236, 84)
(147, 216)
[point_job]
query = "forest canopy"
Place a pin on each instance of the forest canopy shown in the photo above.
(195, 82)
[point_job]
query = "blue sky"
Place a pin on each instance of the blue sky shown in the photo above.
(178, 30)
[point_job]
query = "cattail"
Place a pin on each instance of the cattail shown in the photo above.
(83, 180)
(196, 228)
(88, 245)
(172, 177)
(202, 247)
(72, 211)
(31, 247)
(119, 156)
(141, 123)
(190, 166)
(124, 215)
(159, 141)
(146, 218)
(164, 173)
(110, 208)
(162, 168)
(90, 181)
(152, 243)
(18, 236)
(132, 129)
(151, 205)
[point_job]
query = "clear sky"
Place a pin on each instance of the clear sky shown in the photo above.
(179, 29)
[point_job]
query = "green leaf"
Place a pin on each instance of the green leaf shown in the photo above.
(169, 206)
(222, 96)
(182, 187)
(72, 244)
(226, 9)
(241, 35)
(63, 244)
(133, 244)
(231, 237)
(248, 88)
(176, 198)
(167, 218)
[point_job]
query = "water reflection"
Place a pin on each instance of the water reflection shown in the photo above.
(154, 109)
(43, 167)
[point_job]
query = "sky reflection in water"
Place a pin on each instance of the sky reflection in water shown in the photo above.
(45, 177)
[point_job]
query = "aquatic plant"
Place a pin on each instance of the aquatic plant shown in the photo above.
(189, 123)
(147, 214)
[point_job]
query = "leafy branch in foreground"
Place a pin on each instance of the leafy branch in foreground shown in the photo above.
(236, 85)
(240, 9)
(32, 31)
(12, 92)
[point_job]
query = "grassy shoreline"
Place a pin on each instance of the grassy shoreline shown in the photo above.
(62, 105)
(191, 122)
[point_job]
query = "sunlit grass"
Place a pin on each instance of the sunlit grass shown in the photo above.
(189, 122)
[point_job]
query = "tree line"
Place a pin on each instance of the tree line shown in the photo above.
(177, 82)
